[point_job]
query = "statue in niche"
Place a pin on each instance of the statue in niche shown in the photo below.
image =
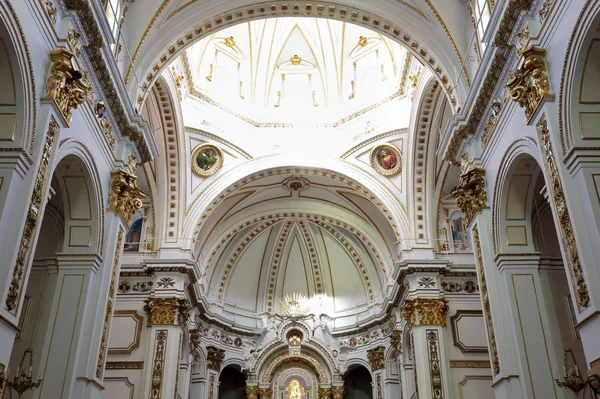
(295, 390)
(594, 382)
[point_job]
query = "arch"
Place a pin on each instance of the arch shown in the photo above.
(20, 109)
(232, 383)
(74, 168)
(584, 40)
(384, 195)
(358, 383)
(512, 196)
(432, 51)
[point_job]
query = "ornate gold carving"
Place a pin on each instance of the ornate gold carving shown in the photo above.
(470, 364)
(211, 389)
(107, 132)
(564, 219)
(50, 10)
(252, 392)
(265, 393)
(435, 372)
(108, 314)
(125, 196)
(425, 311)
(34, 214)
(376, 358)
(324, 393)
(66, 87)
(214, 357)
(528, 84)
(545, 9)
(134, 365)
(396, 343)
(485, 300)
(362, 41)
(337, 392)
(163, 311)
(379, 392)
(73, 38)
(195, 340)
(158, 364)
(470, 193)
(230, 42)
(295, 60)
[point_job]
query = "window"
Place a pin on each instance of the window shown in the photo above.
(483, 11)
(115, 16)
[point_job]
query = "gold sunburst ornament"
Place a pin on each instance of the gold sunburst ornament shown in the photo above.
(294, 305)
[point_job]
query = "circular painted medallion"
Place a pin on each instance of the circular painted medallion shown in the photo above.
(206, 159)
(386, 159)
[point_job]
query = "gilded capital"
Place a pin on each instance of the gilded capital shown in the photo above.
(376, 358)
(125, 196)
(324, 393)
(165, 311)
(338, 392)
(214, 358)
(528, 84)
(425, 311)
(66, 86)
(470, 193)
(251, 392)
(265, 393)
(396, 343)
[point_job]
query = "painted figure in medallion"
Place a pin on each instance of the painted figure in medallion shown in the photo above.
(206, 159)
(386, 159)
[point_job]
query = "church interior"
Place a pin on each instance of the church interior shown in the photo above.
(346, 199)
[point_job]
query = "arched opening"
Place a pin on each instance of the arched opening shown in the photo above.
(358, 383)
(232, 383)
(59, 287)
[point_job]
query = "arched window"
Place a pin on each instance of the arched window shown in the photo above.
(483, 11)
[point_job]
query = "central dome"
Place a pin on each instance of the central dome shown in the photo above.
(291, 72)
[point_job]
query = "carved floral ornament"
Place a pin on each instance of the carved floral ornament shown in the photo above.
(214, 357)
(425, 311)
(125, 196)
(66, 86)
(252, 391)
(528, 84)
(376, 358)
(396, 343)
(337, 392)
(165, 311)
(470, 193)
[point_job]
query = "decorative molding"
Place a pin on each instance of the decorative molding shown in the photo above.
(396, 343)
(163, 311)
(485, 301)
(125, 196)
(138, 332)
(471, 196)
(251, 391)
(464, 348)
(376, 358)
(135, 365)
(435, 372)
(470, 364)
(265, 393)
(337, 392)
(324, 393)
(34, 215)
(469, 287)
(528, 85)
(425, 311)
(214, 357)
(158, 364)
(561, 210)
(110, 301)
(546, 9)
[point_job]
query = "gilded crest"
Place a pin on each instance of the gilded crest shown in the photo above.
(386, 159)
(207, 159)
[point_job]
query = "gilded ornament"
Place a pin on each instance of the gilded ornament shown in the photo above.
(528, 84)
(545, 9)
(376, 358)
(265, 393)
(108, 313)
(324, 393)
(396, 343)
(50, 10)
(252, 392)
(470, 193)
(362, 41)
(485, 300)
(230, 42)
(295, 60)
(73, 38)
(435, 372)
(164, 311)
(125, 196)
(66, 87)
(158, 364)
(106, 128)
(564, 219)
(337, 392)
(425, 311)
(33, 217)
(214, 357)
